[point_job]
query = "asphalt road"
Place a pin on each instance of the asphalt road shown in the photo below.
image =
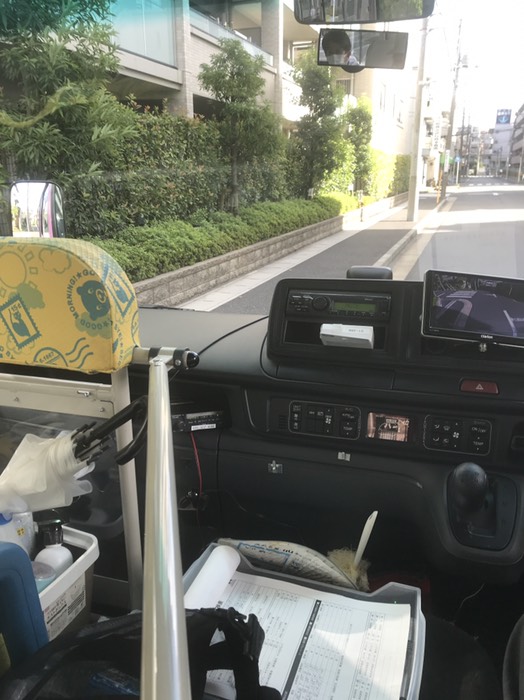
(363, 248)
(479, 229)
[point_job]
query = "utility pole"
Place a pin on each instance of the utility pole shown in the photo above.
(461, 147)
(449, 135)
(414, 176)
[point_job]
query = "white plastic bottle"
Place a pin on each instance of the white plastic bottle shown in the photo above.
(54, 552)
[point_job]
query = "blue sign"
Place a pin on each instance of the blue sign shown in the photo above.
(503, 116)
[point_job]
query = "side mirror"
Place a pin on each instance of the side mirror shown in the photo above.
(354, 50)
(36, 209)
(356, 12)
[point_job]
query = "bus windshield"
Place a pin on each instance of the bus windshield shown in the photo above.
(175, 134)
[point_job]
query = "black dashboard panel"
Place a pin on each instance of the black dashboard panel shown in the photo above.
(301, 307)
(318, 433)
(450, 400)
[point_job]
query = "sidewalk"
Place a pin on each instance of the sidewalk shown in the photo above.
(380, 246)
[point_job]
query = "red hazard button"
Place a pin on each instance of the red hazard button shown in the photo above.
(475, 386)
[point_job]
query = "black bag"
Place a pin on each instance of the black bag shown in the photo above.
(103, 660)
(239, 651)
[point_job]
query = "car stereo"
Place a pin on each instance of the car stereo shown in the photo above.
(347, 306)
(342, 321)
(473, 308)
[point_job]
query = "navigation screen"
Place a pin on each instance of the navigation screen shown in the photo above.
(473, 307)
(382, 426)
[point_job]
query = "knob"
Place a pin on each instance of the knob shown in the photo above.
(468, 487)
(320, 303)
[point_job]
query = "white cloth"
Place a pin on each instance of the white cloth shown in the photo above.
(42, 473)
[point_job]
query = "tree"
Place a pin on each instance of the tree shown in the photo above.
(247, 129)
(404, 9)
(343, 176)
(318, 92)
(57, 117)
(316, 148)
(33, 16)
(360, 131)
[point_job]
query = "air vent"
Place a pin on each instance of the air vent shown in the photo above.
(283, 422)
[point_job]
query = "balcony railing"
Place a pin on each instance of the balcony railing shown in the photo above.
(218, 31)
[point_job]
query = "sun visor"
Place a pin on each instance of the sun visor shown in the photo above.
(65, 303)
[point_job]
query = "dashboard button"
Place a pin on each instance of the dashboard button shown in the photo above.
(475, 386)
(478, 446)
(320, 303)
(349, 431)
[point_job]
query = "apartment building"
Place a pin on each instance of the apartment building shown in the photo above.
(164, 42)
(516, 164)
(500, 149)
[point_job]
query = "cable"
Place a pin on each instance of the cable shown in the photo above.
(172, 375)
(231, 332)
(253, 514)
(222, 492)
(198, 465)
(464, 600)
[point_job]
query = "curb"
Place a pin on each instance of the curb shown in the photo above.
(179, 286)
(388, 258)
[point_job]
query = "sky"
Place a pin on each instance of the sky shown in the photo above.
(492, 41)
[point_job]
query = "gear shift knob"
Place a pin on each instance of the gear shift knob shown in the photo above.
(468, 487)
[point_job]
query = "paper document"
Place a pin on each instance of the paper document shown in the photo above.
(318, 645)
(290, 558)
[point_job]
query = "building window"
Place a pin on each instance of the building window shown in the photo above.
(297, 49)
(382, 98)
(147, 28)
(400, 111)
(346, 85)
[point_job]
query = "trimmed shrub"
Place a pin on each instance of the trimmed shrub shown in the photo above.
(401, 175)
(390, 174)
(102, 205)
(147, 251)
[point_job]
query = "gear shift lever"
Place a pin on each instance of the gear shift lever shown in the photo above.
(468, 487)
(481, 509)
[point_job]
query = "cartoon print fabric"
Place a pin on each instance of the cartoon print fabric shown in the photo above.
(65, 303)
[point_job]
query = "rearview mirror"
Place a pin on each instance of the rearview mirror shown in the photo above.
(358, 12)
(354, 50)
(36, 209)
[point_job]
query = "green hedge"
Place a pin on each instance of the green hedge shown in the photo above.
(390, 174)
(172, 169)
(104, 205)
(147, 251)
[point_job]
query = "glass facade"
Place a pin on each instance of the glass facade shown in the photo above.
(146, 28)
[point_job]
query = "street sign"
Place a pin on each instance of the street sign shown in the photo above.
(503, 116)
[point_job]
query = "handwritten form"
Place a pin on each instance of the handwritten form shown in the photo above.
(318, 645)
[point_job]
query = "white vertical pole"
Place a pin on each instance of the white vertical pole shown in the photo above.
(129, 494)
(414, 175)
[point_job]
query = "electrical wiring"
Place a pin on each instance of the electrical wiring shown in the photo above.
(198, 465)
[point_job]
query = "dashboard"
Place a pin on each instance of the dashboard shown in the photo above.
(297, 425)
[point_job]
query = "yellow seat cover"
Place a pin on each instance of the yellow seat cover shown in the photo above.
(65, 303)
